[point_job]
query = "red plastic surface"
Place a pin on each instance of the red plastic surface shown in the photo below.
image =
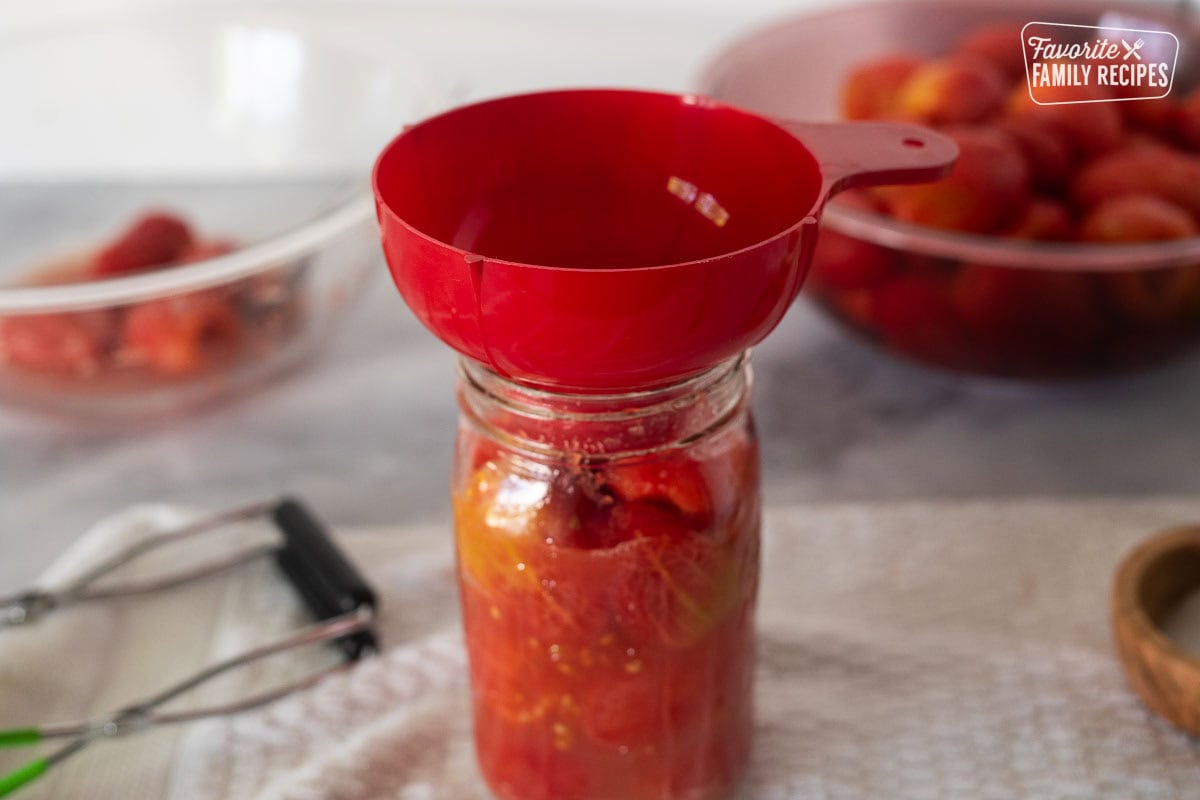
(611, 239)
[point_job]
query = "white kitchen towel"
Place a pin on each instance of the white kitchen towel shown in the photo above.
(948, 650)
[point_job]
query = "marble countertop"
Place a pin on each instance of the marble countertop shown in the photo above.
(364, 432)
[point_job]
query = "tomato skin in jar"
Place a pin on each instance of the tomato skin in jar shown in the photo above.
(608, 557)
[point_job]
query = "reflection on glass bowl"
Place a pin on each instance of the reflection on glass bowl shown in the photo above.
(257, 128)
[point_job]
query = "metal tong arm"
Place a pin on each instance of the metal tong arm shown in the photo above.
(30, 606)
(328, 583)
(142, 715)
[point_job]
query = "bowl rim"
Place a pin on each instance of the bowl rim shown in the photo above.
(877, 228)
(274, 252)
(350, 208)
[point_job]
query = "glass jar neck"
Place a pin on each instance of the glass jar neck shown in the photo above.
(598, 427)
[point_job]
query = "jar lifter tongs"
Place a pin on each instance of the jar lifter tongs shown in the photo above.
(328, 583)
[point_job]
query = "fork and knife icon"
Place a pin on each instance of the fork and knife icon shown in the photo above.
(1132, 49)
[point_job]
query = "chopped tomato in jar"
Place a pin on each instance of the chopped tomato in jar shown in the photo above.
(608, 612)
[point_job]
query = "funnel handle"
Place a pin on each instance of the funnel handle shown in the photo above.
(870, 153)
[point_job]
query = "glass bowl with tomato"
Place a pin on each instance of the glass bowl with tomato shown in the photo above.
(184, 203)
(1066, 242)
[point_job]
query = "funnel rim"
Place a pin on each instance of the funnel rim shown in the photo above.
(810, 217)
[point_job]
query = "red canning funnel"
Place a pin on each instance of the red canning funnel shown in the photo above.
(612, 239)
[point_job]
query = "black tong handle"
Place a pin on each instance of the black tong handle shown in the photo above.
(327, 582)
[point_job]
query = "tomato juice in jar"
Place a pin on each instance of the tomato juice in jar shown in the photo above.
(608, 559)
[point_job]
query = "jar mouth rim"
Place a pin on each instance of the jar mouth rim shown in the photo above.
(540, 402)
(592, 429)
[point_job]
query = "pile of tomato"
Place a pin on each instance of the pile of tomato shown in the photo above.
(1119, 171)
(168, 338)
(608, 612)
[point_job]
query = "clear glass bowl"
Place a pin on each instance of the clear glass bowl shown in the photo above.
(1045, 310)
(258, 128)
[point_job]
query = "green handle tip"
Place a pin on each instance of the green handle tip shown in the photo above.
(22, 775)
(19, 737)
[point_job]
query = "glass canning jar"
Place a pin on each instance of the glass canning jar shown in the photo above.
(608, 560)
